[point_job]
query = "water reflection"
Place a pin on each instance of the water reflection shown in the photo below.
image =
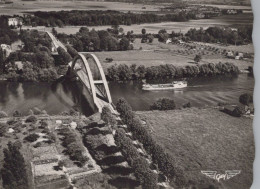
(63, 95)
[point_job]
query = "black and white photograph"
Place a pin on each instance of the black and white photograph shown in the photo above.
(126, 94)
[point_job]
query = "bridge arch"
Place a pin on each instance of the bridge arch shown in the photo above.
(90, 72)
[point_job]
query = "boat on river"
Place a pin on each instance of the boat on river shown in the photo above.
(167, 86)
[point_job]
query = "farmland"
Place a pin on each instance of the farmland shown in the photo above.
(156, 53)
(195, 140)
(19, 7)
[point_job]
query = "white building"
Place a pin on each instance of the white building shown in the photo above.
(14, 21)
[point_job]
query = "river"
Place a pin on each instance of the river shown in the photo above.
(61, 96)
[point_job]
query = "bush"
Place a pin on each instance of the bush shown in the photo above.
(197, 58)
(17, 114)
(246, 99)
(188, 105)
(107, 116)
(3, 129)
(3, 114)
(31, 119)
(32, 137)
(163, 104)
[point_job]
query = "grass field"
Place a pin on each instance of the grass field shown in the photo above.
(160, 53)
(18, 7)
(206, 139)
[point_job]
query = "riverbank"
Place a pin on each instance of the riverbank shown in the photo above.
(205, 139)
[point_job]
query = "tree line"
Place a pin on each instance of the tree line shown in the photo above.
(98, 17)
(92, 40)
(124, 72)
(226, 35)
(166, 163)
(141, 167)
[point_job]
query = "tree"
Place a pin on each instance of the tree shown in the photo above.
(43, 60)
(246, 99)
(124, 44)
(3, 129)
(14, 169)
(197, 58)
(150, 38)
(2, 60)
(28, 73)
(54, 32)
(65, 57)
(143, 31)
(163, 36)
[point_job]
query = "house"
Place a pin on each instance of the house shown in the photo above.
(241, 55)
(230, 54)
(14, 21)
(168, 41)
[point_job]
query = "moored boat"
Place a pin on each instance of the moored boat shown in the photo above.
(167, 86)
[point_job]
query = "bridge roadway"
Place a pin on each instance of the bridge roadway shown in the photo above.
(56, 42)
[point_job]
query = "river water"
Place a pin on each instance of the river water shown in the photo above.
(63, 95)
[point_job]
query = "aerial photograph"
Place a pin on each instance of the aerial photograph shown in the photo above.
(126, 94)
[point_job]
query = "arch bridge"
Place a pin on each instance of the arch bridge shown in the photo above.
(88, 69)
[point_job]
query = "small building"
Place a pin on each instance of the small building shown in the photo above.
(230, 54)
(241, 55)
(168, 41)
(14, 21)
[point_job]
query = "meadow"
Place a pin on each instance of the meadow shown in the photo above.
(19, 7)
(157, 53)
(195, 137)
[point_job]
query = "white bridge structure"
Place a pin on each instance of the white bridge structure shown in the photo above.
(87, 68)
(89, 71)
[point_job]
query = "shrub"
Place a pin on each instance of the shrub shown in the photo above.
(44, 124)
(17, 114)
(31, 119)
(3, 114)
(32, 137)
(197, 58)
(188, 105)
(107, 116)
(246, 99)
(163, 104)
